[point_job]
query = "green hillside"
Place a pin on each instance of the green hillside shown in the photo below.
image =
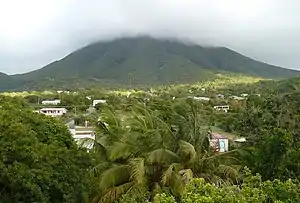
(7, 82)
(275, 87)
(145, 61)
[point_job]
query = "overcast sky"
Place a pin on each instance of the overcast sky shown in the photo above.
(34, 33)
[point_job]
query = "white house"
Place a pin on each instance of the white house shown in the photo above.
(82, 133)
(236, 97)
(224, 108)
(53, 111)
(220, 96)
(51, 102)
(244, 95)
(242, 139)
(99, 101)
(200, 98)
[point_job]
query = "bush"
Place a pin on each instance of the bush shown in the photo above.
(163, 198)
(252, 190)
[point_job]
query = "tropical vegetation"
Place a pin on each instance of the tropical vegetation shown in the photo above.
(153, 145)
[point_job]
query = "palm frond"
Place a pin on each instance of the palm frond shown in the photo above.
(102, 127)
(187, 175)
(162, 156)
(150, 122)
(137, 122)
(114, 176)
(94, 146)
(187, 149)
(121, 150)
(223, 154)
(87, 142)
(137, 166)
(130, 137)
(100, 168)
(167, 175)
(153, 135)
(176, 184)
(110, 117)
(167, 134)
(114, 193)
(227, 171)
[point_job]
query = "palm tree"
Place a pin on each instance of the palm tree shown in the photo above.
(148, 151)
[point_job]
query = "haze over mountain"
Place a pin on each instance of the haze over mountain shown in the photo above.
(35, 33)
(141, 61)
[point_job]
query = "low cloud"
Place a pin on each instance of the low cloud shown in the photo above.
(33, 33)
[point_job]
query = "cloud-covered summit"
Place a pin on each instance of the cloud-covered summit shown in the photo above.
(33, 33)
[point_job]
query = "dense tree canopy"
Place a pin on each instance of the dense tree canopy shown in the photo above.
(39, 161)
(271, 124)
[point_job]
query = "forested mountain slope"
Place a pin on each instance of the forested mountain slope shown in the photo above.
(145, 61)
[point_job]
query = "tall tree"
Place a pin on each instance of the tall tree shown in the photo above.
(39, 160)
(146, 151)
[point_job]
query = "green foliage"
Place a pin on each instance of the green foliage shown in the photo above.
(32, 99)
(271, 125)
(251, 190)
(39, 161)
(150, 147)
(135, 196)
(78, 100)
(153, 149)
(163, 198)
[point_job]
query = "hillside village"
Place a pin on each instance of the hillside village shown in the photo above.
(85, 129)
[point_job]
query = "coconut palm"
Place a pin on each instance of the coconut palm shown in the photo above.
(148, 151)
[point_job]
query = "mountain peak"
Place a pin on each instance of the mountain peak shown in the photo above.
(145, 60)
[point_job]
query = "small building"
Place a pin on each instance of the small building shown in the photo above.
(220, 96)
(240, 140)
(224, 108)
(99, 101)
(80, 134)
(200, 98)
(244, 95)
(236, 98)
(54, 112)
(51, 102)
(218, 142)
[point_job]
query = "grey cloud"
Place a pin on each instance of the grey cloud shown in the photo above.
(266, 30)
